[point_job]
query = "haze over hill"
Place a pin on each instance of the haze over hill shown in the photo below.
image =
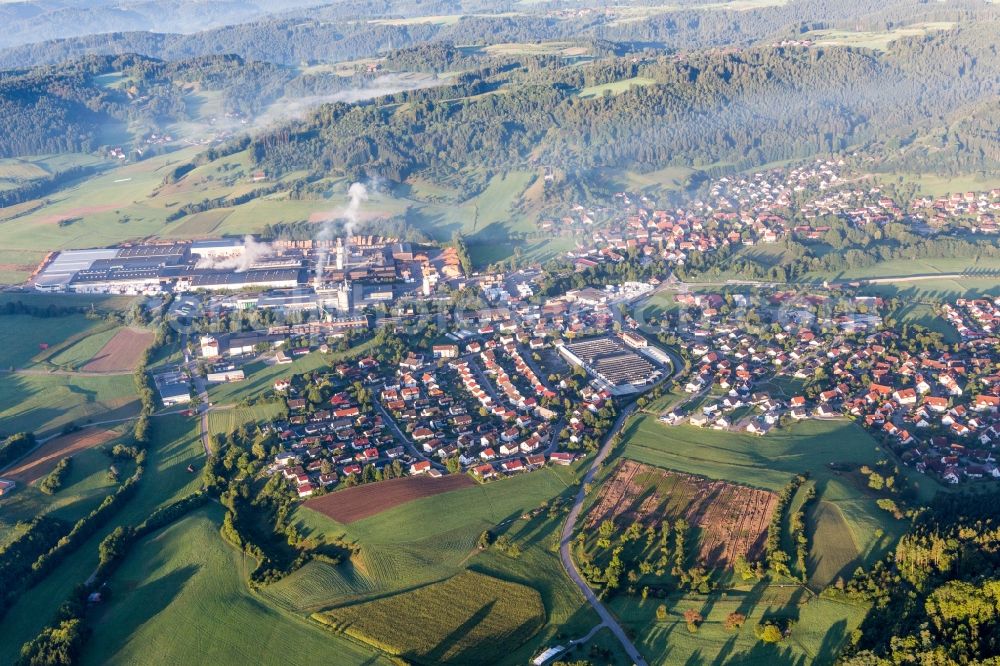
(454, 331)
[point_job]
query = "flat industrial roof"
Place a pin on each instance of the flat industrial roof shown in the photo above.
(68, 262)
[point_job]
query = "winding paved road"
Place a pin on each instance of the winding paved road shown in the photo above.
(607, 619)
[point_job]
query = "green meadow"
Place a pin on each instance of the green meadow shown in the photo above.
(434, 538)
(174, 446)
(86, 486)
(180, 597)
(46, 402)
(22, 336)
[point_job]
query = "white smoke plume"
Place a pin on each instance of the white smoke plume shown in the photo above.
(288, 109)
(357, 194)
(253, 252)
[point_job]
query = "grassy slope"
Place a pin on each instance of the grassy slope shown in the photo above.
(433, 538)
(228, 420)
(180, 598)
(821, 627)
(175, 445)
(468, 618)
(85, 487)
(21, 335)
(80, 352)
(878, 40)
(43, 403)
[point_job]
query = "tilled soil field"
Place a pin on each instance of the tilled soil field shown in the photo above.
(351, 504)
(731, 520)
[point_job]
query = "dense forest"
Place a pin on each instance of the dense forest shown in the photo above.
(936, 598)
(349, 30)
(733, 109)
(81, 105)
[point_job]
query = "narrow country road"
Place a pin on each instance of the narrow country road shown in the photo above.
(566, 539)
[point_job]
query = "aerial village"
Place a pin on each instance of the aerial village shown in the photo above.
(529, 379)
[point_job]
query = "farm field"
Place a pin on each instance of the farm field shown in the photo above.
(769, 462)
(22, 335)
(40, 461)
(174, 446)
(181, 598)
(86, 485)
(434, 538)
(352, 504)
(878, 40)
(731, 520)
(122, 352)
(468, 618)
(46, 402)
(225, 421)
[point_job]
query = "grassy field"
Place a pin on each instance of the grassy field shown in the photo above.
(484, 218)
(769, 462)
(79, 353)
(614, 88)
(934, 185)
(878, 40)
(22, 335)
(468, 618)
(969, 266)
(44, 403)
(821, 627)
(85, 487)
(228, 420)
(924, 315)
(261, 376)
(566, 49)
(180, 598)
(175, 445)
(434, 538)
(17, 170)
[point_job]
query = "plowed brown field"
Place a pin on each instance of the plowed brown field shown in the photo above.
(346, 506)
(121, 353)
(731, 520)
(44, 458)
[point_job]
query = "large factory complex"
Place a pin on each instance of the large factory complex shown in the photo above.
(360, 270)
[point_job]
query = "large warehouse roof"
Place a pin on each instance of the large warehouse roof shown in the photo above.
(67, 263)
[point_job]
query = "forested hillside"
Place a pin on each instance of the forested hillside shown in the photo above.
(711, 109)
(344, 31)
(70, 108)
(936, 599)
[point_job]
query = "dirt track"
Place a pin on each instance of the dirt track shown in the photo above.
(347, 506)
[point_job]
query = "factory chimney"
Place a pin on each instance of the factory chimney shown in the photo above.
(341, 255)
